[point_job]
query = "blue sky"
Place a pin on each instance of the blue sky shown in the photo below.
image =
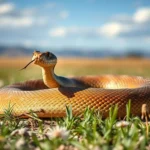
(113, 24)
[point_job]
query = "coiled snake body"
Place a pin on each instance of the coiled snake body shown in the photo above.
(50, 96)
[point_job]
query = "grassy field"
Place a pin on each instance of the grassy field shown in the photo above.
(9, 68)
(72, 133)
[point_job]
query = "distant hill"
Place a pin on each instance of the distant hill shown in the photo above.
(22, 51)
(14, 51)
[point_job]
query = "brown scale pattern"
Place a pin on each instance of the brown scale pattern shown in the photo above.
(103, 92)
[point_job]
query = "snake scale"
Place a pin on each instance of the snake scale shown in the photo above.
(50, 96)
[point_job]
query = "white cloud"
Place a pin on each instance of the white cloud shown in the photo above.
(30, 16)
(14, 18)
(64, 14)
(16, 22)
(73, 31)
(6, 7)
(35, 21)
(112, 29)
(133, 26)
(142, 15)
(58, 32)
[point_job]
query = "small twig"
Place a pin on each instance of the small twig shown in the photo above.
(31, 116)
(28, 64)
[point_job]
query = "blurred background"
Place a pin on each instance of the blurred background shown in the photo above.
(88, 36)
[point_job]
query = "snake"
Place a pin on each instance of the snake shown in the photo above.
(49, 97)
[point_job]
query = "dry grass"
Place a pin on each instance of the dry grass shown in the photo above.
(9, 68)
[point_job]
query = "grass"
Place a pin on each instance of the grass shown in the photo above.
(88, 133)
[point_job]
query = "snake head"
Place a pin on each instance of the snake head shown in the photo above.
(44, 59)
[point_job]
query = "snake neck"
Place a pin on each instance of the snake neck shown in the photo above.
(50, 79)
